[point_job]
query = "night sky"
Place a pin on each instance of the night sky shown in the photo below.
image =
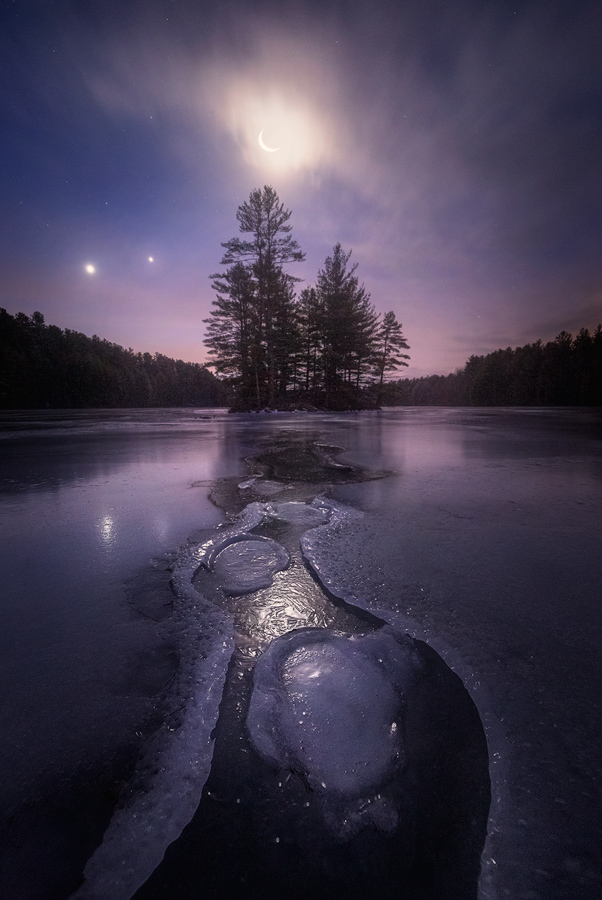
(456, 148)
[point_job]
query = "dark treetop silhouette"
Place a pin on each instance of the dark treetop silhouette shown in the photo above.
(318, 350)
(43, 366)
(564, 372)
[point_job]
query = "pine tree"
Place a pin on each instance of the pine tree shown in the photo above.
(389, 341)
(348, 322)
(264, 256)
(232, 328)
(310, 318)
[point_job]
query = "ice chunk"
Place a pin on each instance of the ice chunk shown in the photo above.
(251, 516)
(324, 547)
(268, 488)
(331, 707)
(297, 513)
(248, 563)
(341, 710)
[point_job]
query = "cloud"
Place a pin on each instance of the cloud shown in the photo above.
(474, 154)
(455, 148)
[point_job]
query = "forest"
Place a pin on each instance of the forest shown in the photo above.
(564, 372)
(42, 366)
(319, 350)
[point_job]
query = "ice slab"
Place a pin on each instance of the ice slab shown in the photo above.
(267, 487)
(297, 513)
(332, 707)
(248, 563)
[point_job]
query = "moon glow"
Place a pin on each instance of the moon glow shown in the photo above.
(264, 146)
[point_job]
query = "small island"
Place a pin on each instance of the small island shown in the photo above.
(326, 348)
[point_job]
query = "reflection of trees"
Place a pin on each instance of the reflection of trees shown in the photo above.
(43, 366)
(564, 372)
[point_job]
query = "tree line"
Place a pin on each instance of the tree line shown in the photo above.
(564, 372)
(322, 348)
(42, 366)
(325, 348)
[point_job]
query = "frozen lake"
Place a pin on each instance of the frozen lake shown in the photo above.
(129, 598)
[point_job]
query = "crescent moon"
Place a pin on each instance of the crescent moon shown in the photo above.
(265, 146)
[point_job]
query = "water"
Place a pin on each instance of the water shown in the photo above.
(475, 531)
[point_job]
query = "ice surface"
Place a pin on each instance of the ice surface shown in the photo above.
(140, 831)
(488, 530)
(176, 764)
(331, 707)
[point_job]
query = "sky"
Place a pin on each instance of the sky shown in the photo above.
(454, 148)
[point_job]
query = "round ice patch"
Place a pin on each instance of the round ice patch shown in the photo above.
(331, 707)
(248, 563)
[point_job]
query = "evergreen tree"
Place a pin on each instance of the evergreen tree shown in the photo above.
(232, 329)
(348, 323)
(389, 341)
(263, 256)
(327, 344)
(565, 371)
(310, 318)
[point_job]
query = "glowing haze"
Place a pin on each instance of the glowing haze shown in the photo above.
(455, 150)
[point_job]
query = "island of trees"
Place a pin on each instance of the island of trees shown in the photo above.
(321, 349)
(326, 348)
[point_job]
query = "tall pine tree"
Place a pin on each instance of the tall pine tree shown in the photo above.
(232, 329)
(347, 326)
(271, 341)
(389, 341)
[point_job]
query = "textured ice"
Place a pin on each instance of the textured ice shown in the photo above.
(267, 487)
(297, 513)
(316, 548)
(332, 707)
(251, 516)
(177, 761)
(444, 523)
(248, 564)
